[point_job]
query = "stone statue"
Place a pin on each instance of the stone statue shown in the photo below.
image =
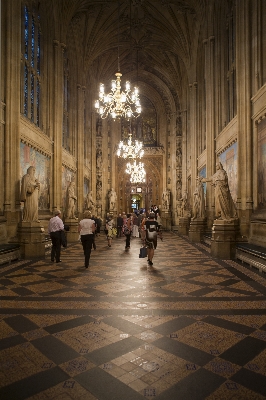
(198, 200)
(178, 158)
(183, 204)
(71, 200)
(30, 196)
(224, 205)
(99, 160)
(112, 199)
(90, 202)
(166, 199)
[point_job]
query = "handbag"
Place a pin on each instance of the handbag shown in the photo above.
(143, 252)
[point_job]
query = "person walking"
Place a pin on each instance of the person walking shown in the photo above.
(119, 226)
(127, 229)
(86, 230)
(55, 229)
(151, 228)
(110, 230)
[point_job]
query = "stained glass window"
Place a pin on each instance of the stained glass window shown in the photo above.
(31, 75)
(25, 108)
(26, 33)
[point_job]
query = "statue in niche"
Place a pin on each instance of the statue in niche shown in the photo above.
(224, 205)
(71, 200)
(183, 204)
(99, 160)
(178, 158)
(30, 187)
(166, 199)
(112, 199)
(98, 189)
(99, 127)
(178, 189)
(90, 202)
(198, 201)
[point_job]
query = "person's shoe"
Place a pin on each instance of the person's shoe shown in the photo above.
(59, 261)
(150, 263)
(86, 266)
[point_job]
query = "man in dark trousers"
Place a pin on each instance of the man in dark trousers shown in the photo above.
(151, 228)
(55, 229)
(119, 225)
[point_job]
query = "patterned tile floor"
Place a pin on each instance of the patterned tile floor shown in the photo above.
(190, 327)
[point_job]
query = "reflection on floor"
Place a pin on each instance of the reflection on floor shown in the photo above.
(190, 327)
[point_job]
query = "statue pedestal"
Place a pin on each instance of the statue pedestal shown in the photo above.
(31, 237)
(224, 238)
(196, 229)
(166, 220)
(73, 233)
(183, 226)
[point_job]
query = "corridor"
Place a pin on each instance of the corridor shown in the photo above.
(190, 327)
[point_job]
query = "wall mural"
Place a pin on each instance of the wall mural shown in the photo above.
(262, 163)
(229, 160)
(31, 157)
(67, 177)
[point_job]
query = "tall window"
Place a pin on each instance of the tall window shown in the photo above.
(231, 66)
(31, 81)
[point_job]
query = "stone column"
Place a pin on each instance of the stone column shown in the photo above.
(243, 88)
(11, 184)
(210, 128)
(194, 136)
(58, 123)
(80, 150)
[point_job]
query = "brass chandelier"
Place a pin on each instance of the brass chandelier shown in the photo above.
(137, 172)
(118, 103)
(130, 149)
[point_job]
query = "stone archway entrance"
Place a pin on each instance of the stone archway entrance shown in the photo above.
(144, 194)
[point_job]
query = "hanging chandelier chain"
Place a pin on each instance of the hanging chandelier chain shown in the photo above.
(118, 103)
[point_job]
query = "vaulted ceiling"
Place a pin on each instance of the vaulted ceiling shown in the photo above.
(153, 40)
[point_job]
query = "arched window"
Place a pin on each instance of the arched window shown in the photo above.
(31, 66)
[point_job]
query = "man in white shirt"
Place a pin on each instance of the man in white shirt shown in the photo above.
(55, 229)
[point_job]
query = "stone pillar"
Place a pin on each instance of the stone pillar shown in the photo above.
(210, 126)
(194, 137)
(58, 123)
(80, 151)
(224, 238)
(11, 11)
(31, 238)
(244, 94)
(196, 229)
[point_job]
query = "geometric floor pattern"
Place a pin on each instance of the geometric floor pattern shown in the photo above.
(190, 327)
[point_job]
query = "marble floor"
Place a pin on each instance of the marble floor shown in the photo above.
(190, 327)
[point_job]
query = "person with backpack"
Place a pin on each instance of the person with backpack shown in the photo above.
(151, 228)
